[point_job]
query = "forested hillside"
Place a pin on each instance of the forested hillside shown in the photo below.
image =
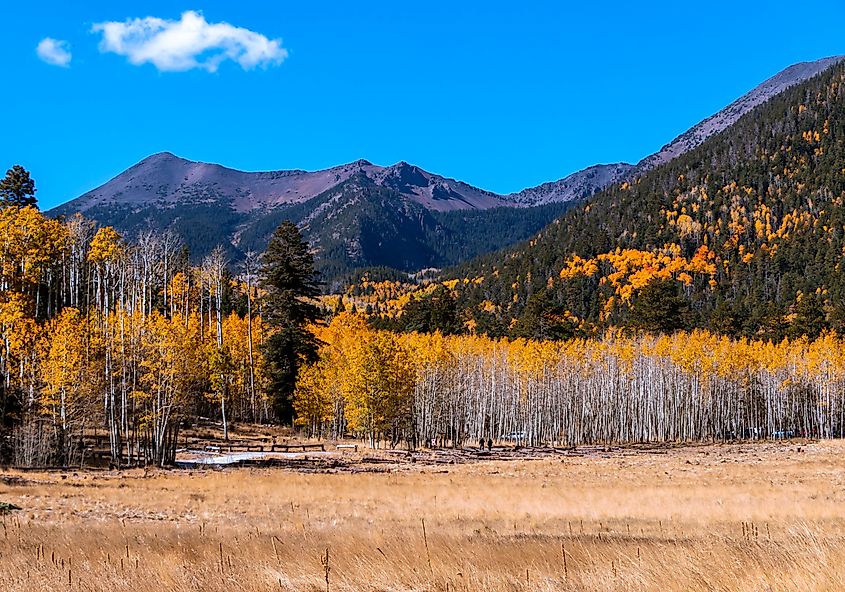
(743, 235)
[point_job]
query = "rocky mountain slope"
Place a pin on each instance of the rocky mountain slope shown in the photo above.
(355, 215)
(166, 180)
(593, 179)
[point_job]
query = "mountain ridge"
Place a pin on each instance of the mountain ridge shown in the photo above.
(209, 204)
(724, 118)
(443, 193)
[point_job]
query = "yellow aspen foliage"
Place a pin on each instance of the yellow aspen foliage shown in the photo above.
(459, 387)
(382, 384)
(368, 376)
(312, 398)
(107, 245)
(576, 266)
(64, 368)
(172, 365)
(30, 243)
(18, 328)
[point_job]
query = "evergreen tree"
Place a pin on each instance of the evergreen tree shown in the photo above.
(810, 319)
(727, 318)
(766, 322)
(288, 277)
(543, 318)
(490, 324)
(658, 308)
(17, 188)
(837, 316)
(433, 312)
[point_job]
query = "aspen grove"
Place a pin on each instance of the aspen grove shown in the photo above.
(129, 339)
(694, 386)
(101, 334)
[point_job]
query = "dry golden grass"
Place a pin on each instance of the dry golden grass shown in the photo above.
(738, 517)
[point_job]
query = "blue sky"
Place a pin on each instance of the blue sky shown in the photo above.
(501, 95)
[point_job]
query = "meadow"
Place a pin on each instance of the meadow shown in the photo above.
(759, 516)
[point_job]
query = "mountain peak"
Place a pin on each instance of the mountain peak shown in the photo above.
(403, 175)
(159, 156)
(161, 160)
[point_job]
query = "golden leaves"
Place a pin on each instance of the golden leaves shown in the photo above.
(576, 266)
(106, 246)
(369, 374)
(29, 244)
(629, 270)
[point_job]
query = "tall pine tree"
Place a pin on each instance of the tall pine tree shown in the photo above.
(288, 277)
(17, 188)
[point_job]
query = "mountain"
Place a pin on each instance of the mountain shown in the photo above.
(354, 215)
(166, 180)
(363, 222)
(361, 214)
(576, 186)
(743, 234)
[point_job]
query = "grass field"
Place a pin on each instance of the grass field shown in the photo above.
(733, 517)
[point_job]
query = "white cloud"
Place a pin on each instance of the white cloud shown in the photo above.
(191, 42)
(54, 51)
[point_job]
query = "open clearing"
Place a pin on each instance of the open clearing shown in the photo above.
(761, 516)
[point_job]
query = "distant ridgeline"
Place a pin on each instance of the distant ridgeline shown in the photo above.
(354, 216)
(371, 231)
(744, 235)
